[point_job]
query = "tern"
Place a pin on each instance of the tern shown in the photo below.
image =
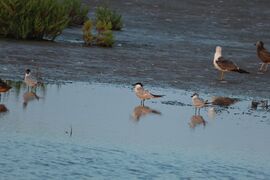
(225, 65)
(143, 94)
(263, 54)
(198, 102)
(28, 79)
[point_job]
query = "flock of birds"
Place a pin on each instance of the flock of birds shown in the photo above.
(220, 63)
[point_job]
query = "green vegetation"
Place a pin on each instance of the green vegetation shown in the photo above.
(104, 35)
(87, 33)
(77, 12)
(39, 19)
(107, 16)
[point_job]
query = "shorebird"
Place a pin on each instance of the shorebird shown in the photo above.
(225, 65)
(198, 102)
(28, 79)
(143, 94)
(264, 55)
(4, 87)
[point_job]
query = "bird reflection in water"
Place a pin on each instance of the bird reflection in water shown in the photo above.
(196, 120)
(141, 111)
(29, 96)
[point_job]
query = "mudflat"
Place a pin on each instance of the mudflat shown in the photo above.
(163, 43)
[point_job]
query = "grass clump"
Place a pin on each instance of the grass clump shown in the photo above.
(38, 19)
(105, 14)
(104, 36)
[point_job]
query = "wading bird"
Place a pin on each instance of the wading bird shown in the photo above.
(263, 54)
(29, 80)
(224, 65)
(198, 102)
(143, 94)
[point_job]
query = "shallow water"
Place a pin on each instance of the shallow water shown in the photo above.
(81, 130)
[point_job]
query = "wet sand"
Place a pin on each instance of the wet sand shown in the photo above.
(163, 44)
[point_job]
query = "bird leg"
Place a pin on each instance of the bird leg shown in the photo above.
(222, 76)
(265, 67)
(199, 112)
(261, 68)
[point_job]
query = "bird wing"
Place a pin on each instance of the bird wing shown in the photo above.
(198, 101)
(226, 64)
(264, 55)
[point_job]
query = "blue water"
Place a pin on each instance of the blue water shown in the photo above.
(107, 142)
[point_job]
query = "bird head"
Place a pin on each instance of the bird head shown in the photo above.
(27, 72)
(194, 95)
(259, 44)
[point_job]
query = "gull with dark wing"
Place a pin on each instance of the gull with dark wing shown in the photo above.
(264, 55)
(143, 94)
(224, 65)
(198, 102)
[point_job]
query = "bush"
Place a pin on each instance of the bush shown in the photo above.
(104, 14)
(87, 33)
(104, 35)
(77, 12)
(38, 19)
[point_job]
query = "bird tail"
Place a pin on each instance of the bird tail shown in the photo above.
(157, 96)
(241, 71)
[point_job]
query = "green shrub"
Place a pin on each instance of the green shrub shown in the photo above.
(104, 14)
(38, 19)
(77, 12)
(87, 33)
(104, 35)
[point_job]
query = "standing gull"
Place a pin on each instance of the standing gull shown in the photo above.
(143, 94)
(263, 54)
(225, 65)
(198, 102)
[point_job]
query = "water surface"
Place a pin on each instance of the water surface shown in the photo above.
(81, 130)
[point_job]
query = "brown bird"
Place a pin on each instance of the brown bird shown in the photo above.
(225, 65)
(263, 54)
(4, 87)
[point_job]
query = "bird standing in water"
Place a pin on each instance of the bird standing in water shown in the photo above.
(4, 87)
(143, 94)
(263, 54)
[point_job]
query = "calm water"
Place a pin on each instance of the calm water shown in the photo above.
(99, 131)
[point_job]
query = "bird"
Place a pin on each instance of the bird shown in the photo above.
(4, 87)
(264, 55)
(198, 102)
(225, 65)
(143, 94)
(140, 111)
(28, 79)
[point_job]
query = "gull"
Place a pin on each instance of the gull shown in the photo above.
(28, 79)
(4, 87)
(225, 65)
(198, 102)
(143, 94)
(263, 54)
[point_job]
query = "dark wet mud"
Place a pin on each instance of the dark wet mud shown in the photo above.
(163, 44)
